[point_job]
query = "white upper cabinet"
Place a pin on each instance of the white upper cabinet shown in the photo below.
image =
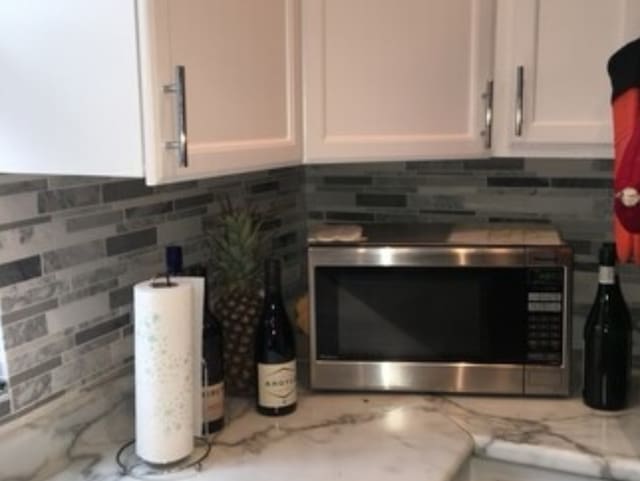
(552, 87)
(69, 88)
(395, 79)
(242, 85)
(166, 89)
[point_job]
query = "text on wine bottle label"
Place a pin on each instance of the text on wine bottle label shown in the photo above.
(277, 384)
(606, 275)
(213, 402)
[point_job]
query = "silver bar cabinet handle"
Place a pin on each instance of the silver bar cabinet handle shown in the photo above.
(519, 100)
(488, 114)
(179, 88)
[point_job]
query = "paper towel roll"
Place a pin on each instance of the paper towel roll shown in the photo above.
(164, 372)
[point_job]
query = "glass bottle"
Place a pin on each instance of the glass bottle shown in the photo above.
(275, 351)
(607, 341)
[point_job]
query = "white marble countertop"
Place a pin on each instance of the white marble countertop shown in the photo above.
(351, 436)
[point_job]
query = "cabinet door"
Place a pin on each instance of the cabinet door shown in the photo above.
(551, 59)
(241, 66)
(395, 79)
(69, 88)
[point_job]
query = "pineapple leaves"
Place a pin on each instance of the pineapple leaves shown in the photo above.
(234, 246)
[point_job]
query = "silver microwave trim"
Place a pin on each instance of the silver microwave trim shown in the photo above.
(529, 379)
(404, 376)
(381, 256)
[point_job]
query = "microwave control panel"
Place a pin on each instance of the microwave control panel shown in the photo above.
(545, 315)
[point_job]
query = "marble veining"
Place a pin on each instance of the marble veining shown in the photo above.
(342, 436)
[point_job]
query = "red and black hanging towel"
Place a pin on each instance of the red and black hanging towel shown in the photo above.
(624, 71)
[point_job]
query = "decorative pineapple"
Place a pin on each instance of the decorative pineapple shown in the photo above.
(235, 254)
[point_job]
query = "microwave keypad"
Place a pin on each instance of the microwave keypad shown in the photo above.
(544, 335)
(545, 314)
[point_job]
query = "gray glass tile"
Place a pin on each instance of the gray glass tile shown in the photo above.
(285, 240)
(495, 163)
(467, 213)
(22, 186)
(270, 224)
(84, 368)
(43, 219)
(193, 201)
(29, 311)
(37, 290)
(381, 200)
(125, 189)
(580, 246)
(586, 266)
(178, 186)
(582, 183)
(31, 391)
(20, 270)
(195, 212)
(93, 220)
(101, 329)
(73, 255)
(54, 200)
(60, 181)
(89, 291)
(348, 180)
(98, 342)
(121, 297)
(518, 220)
(148, 210)
(19, 333)
(602, 165)
(263, 187)
(134, 240)
(100, 274)
(5, 408)
(427, 166)
(350, 216)
(458, 180)
(35, 371)
(440, 202)
(54, 346)
(517, 182)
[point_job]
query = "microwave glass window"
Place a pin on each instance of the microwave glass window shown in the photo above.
(421, 314)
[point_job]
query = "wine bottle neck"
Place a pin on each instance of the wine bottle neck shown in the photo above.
(606, 275)
(272, 279)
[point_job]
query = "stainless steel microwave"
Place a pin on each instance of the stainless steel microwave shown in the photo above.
(442, 308)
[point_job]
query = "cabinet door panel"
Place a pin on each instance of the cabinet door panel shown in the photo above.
(69, 88)
(563, 47)
(242, 84)
(389, 79)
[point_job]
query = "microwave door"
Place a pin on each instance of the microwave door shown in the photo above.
(421, 314)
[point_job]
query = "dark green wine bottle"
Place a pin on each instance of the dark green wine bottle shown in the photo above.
(607, 341)
(213, 381)
(275, 351)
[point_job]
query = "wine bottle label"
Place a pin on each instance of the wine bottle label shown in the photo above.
(606, 275)
(213, 402)
(277, 384)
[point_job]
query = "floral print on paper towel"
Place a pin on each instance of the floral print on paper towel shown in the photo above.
(164, 367)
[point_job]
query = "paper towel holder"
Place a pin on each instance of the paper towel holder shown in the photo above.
(162, 280)
(132, 465)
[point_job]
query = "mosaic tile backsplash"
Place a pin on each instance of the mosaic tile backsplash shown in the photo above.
(71, 249)
(572, 194)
